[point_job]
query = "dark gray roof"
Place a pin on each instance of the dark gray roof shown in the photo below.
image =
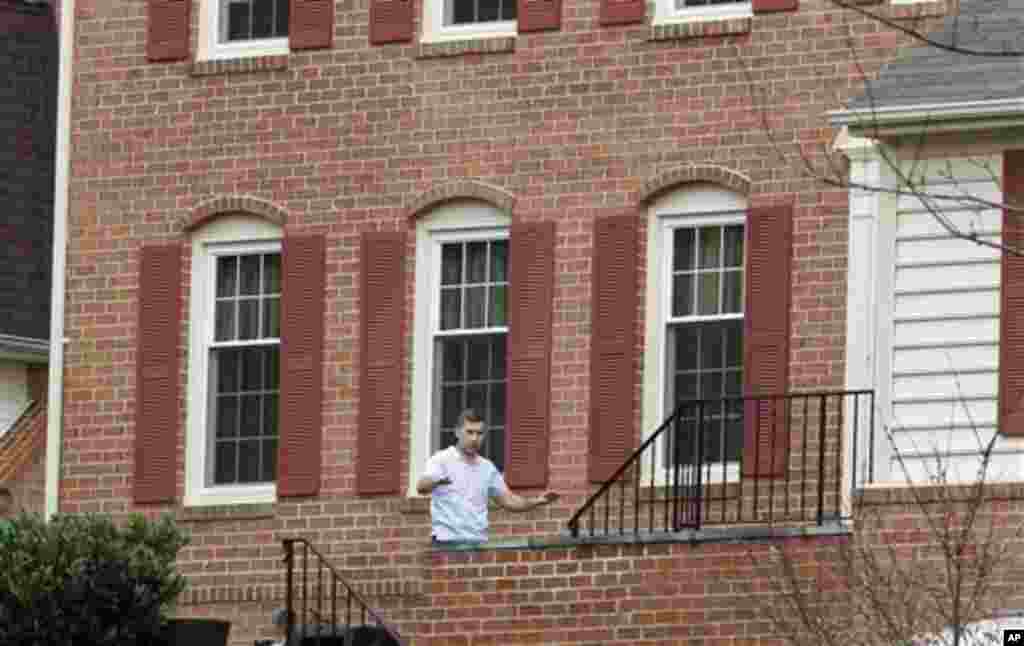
(930, 75)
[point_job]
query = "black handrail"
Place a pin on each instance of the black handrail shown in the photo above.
(695, 471)
(313, 625)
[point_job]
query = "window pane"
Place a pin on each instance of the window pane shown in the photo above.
(508, 10)
(270, 419)
(734, 246)
(269, 473)
(499, 253)
(710, 247)
(249, 275)
(733, 439)
(476, 397)
(463, 11)
(225, 465)
(272, 368)
(227, 370)
(249, 461)
(682, 295)
(498, 310)
(732, 292)
(224, 328)
(479, 351)
(227, 416)
(489, 10)
(711, 355)
(263, 18)
(238, 21)
(494, 447)
(451, 405)
(682, 254)
(476, 262)
(252, 369)
(496, 414)
(272, 273)
(451, 305)
(733, 383)
(687, 342)
(248, 318)
(282, 18)
(708, 294)
(476, 304)
(686, 386)
(271, 318)
(734, 344)
(227, 276)
(498, 356)
(451, 264)
(251, 405)
(451, 359)
(711, 386)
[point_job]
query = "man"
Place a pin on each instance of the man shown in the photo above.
(460, 481)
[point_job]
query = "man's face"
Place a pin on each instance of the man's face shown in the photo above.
(472, 438)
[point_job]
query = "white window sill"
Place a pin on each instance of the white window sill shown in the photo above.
(253, 49)
(502, 29)
(685, 16)
(232, 495)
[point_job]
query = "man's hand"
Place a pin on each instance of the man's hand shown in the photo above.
(443, 481)
(547, 498)
(426, 484)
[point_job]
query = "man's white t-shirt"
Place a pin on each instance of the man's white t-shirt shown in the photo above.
(458, 511)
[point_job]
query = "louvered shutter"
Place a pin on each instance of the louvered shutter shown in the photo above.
(311, 24)
(382, 312)
(766, 339)
(1011, 287)
(156, 374)
(391, 21)
(622, 12)
(539, 15)
(774, 6)
(168, 30)
(300, 418)
(613, 344)
(528, 416)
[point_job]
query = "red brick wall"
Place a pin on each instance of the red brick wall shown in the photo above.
(28, 487)
(571, 123)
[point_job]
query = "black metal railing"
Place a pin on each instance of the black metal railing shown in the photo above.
(323, 609)
(736, 461)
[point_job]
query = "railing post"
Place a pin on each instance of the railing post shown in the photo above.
(822, 410)
(289, 559)
(698, 464)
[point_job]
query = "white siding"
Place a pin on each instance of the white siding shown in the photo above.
(945, 328)
(13, 392)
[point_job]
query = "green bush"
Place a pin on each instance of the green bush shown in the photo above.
(84, 580)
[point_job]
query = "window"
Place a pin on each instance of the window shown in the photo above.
(704, 336)
(243, 28)
(695, 309)
(461, 327)
(696, 10)
(234, 362)
(461, 19)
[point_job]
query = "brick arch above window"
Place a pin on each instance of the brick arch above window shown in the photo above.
(706, 173)
(222, 205)
(466, 189)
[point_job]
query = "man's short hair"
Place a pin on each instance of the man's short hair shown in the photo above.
(471, 416)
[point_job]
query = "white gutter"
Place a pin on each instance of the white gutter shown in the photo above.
(62, 168)
(927, 112)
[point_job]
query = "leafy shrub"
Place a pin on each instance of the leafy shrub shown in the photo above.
(82, 580)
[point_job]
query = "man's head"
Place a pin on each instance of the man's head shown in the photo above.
(6, 503)
(470, 431)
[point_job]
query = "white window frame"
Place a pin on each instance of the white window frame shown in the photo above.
(211, 49)
(230, 235)
(435, 31)
(665, 12)
(459, 221)
(695, 206)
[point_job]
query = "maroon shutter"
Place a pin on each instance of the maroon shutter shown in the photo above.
(613, 344)
(156, 374)
(391, 21)
(775, 6)
(382, 307)
(539, 15)
(622, 12)
(531, 283)
(167, 30)
(1011, 333)
(311, 24)
(302, 336)
(766, 339)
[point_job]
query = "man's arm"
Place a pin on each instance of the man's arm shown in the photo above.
(426, 484)
(515, 502)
